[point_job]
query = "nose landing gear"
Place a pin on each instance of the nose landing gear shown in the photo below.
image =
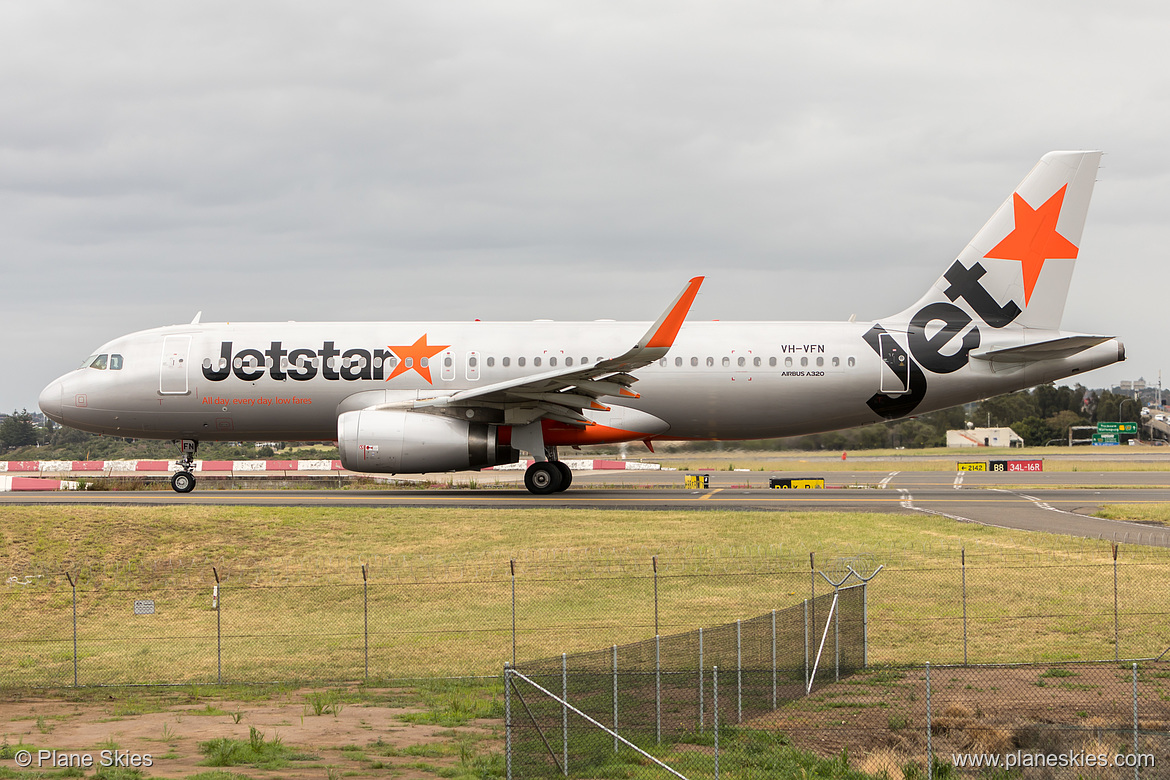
(183, 481)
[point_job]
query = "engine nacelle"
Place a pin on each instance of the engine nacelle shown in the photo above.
(393, 442)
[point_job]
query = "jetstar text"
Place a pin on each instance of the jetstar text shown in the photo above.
(299, 364)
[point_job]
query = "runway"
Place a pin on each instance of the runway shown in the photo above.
(1050, 502)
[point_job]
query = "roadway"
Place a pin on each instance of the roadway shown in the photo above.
(1051, 502)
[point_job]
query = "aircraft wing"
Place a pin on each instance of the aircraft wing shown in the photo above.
(564, 393)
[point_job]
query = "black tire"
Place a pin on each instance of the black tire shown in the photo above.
(183, 481)
(566, 476)
(542, 478)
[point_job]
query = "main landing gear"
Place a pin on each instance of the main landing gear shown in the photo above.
(183, 481)
(549, 476)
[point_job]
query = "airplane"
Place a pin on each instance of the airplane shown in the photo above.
(419, 397)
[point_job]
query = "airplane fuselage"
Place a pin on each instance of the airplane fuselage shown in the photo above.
(720, 380)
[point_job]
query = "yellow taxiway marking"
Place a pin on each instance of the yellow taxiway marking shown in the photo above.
(713, 492)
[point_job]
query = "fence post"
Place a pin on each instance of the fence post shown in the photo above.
(700, 681)
(366, 616)
(508, 720)
(837, 635)
(218, 631)
(806, 644)
(812, 576)
(738, 675)
(565, 713)
(963, 559)
(1116, 631)
(615, 700)
(512, 565)
(929, 749)
(654, 561)
(657, 690)
(73, 585)
(715, 702)
(1137, 761)
(773, 659)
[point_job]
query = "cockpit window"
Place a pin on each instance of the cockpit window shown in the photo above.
(115, 362)
(99, 362)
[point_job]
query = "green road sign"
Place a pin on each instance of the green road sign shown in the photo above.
(1117, 427)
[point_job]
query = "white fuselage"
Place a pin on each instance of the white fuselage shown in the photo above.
(719, 380)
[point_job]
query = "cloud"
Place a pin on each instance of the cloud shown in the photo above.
(522, 159)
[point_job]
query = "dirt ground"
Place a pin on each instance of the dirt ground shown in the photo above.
(378, 741)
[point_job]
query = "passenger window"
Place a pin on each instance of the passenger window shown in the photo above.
(520, 362)
(852, 362)
(471, 361)
(678, 362)
(803, 362)
(568, 361)
(536, 361)
(836, 362)
(726, 362)
(820, 362)
(99, 362)
(448, 362)
(772, 362)
(710, 362)
(694, 361)
(756, 362)
(115, 362)
(742, 361)
(788, 362)
(491, 362)
(552, 361)
(507, 362)
(662, 362)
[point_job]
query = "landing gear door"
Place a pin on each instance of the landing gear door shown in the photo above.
(895, 377)
(172, 378)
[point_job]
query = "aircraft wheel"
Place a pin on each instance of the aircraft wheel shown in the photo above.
(566, 476)
(183, 481)
(543, 478)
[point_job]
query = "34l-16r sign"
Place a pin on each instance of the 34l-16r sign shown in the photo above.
(1016, 465)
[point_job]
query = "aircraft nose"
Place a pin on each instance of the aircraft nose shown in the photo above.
(50, 401)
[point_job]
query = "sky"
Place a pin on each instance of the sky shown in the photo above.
(277, 160)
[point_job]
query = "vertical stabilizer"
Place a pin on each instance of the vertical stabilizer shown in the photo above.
(1024, 256)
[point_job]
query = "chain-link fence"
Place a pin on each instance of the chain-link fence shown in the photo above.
(667, 687)
(1033, 722)
(385, 618)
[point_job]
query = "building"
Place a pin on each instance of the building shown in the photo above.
(984, 437)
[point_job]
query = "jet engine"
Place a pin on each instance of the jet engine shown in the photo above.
(397, 442)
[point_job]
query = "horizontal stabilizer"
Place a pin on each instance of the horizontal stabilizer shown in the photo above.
(1052, 349)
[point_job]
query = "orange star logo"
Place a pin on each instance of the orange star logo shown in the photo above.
(417, 356)
(1034, 239)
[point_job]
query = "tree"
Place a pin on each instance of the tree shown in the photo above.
(17, 430)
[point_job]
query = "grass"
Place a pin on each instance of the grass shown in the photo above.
(440, 592)
(256, 751)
